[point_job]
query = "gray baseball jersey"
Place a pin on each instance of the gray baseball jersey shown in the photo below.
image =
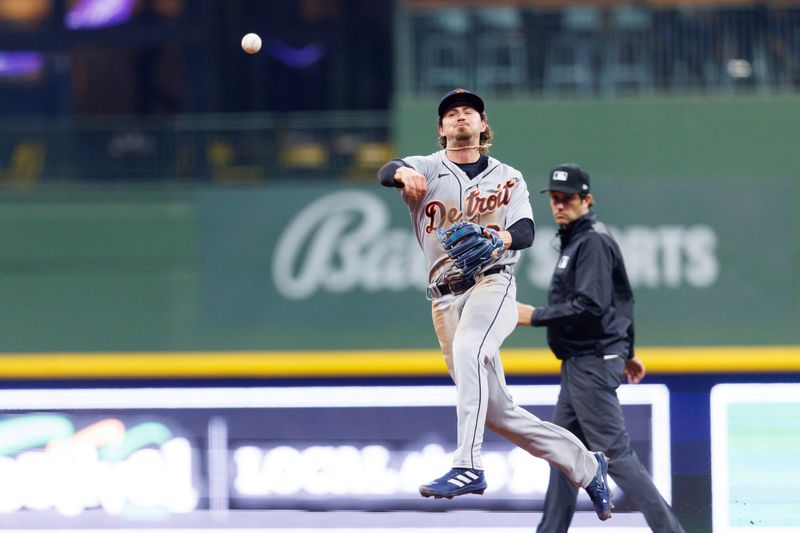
(472, 326)
(496, 198)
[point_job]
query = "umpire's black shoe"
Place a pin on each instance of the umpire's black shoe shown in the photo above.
(456, 482)
(599, 491)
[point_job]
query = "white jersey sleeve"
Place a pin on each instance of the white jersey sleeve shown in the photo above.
(519, 206)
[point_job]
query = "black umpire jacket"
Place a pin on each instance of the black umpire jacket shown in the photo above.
(590, 301)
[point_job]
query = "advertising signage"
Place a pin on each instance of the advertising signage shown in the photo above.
(112, 458)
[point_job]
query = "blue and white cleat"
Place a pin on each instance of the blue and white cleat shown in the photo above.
(456, 482)
(599, 491)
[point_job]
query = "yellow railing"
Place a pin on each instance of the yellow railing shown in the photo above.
(369, 363)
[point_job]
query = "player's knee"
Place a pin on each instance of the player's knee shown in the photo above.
(464, 349)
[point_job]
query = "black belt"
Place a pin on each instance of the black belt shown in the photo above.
(462, 285)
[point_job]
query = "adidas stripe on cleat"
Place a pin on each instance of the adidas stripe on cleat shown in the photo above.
(456, 482)
(599, 491)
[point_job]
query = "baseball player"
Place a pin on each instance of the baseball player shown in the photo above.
(472, 216)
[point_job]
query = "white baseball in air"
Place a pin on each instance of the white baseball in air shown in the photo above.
(251, 43)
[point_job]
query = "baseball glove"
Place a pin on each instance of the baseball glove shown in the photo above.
(471, 246)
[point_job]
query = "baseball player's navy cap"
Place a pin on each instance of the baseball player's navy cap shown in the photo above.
(460, 95)
(569, 179)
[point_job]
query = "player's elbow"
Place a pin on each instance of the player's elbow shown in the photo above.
(388, 171)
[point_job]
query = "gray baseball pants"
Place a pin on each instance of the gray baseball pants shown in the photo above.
(588, 406)
(471, 327)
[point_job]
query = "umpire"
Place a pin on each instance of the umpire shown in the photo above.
(589, 321)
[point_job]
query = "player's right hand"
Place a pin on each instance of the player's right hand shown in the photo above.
(413, 182)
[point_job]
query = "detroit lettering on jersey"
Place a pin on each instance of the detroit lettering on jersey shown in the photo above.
(474, 204)
(496, 197)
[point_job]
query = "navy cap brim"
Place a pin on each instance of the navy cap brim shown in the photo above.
(468, 98)
(561, 188)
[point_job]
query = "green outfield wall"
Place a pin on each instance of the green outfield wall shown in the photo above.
(290, 267)
(712, 244)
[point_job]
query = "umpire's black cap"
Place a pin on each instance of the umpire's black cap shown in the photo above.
(460, 95)
(568, 178)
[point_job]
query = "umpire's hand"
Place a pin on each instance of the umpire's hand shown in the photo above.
(413, 182)
(524, 314)
(634, 370)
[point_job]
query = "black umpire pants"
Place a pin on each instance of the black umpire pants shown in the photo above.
(588, 406)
